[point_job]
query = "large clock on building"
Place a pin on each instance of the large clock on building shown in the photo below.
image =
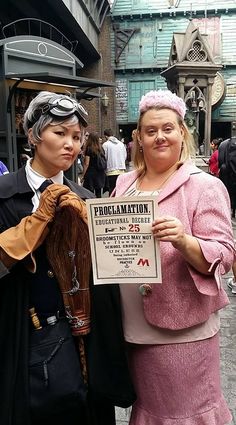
(218, 90)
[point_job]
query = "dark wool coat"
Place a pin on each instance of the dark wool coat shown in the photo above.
(109, 382)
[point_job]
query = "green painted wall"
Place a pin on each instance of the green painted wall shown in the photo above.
(125, 7)
(129, 89)
(147, 52)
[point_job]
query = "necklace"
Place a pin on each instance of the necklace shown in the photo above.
(160, 186)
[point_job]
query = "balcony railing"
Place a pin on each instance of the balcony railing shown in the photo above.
(37, 27)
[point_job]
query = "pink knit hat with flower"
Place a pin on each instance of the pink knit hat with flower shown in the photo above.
(162, 99)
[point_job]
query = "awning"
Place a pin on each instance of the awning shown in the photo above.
(81, 84)
(48, 77)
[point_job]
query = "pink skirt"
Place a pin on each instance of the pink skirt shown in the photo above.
(178, 384)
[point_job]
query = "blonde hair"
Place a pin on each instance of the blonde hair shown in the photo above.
(187, 151)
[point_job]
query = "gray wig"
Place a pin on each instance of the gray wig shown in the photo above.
(44, 120)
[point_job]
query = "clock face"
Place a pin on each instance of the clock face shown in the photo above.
(218, 89)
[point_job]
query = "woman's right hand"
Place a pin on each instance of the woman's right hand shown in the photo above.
(49, 200)
(169, 229)
(74, 201)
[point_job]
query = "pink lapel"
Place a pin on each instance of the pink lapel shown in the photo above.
(124, 181)
(179, 178)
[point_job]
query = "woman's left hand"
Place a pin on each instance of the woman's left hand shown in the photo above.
(169, 229)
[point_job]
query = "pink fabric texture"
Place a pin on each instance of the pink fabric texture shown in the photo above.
(201, 202)
(162, 99)
(178, 384)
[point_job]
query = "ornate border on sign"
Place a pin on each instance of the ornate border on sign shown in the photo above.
(218, 89)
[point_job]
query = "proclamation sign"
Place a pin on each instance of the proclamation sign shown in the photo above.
(122, 245)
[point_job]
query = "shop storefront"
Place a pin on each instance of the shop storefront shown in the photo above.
(29, 64)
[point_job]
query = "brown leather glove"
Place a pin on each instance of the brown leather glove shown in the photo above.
(73, 200)
(19, 241)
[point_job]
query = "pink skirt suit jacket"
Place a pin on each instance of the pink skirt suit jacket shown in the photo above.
(186, 297)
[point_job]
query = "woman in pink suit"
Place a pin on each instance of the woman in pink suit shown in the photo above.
(172, 329)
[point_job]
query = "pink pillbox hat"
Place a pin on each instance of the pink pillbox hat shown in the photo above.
(162, 99)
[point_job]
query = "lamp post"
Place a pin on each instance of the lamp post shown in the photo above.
(105, 102)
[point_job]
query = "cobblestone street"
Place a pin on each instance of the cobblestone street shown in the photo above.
(228, 347)
(228, 353)
(228, 356)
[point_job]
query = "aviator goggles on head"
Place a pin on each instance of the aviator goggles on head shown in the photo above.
(63, 107)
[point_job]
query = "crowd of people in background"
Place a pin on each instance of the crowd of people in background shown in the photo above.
(95, 174)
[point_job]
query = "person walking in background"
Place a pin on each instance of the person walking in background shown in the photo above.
(84, 141)
(226, 161)
(130, 147)
(115, 152)
(3, 169)
(32, 302)
(125, 141)
(227, 169)
(213, 160)
(172, 328)
(94, 171)
(80, 158)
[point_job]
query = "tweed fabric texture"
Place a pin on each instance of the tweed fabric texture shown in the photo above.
(178, 384)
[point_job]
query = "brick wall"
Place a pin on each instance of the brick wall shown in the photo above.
(99, 118)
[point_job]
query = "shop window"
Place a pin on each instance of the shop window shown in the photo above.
(22, 100)
(136, 90)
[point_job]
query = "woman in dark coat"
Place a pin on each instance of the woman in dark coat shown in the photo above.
(54, 125)
(94, 175)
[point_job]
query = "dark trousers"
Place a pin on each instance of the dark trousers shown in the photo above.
(112, 182)
(98, 192)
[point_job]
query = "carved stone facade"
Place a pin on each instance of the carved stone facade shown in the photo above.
(191, 73)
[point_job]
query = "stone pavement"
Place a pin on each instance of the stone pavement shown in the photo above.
(228, 353)
(228, 356)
